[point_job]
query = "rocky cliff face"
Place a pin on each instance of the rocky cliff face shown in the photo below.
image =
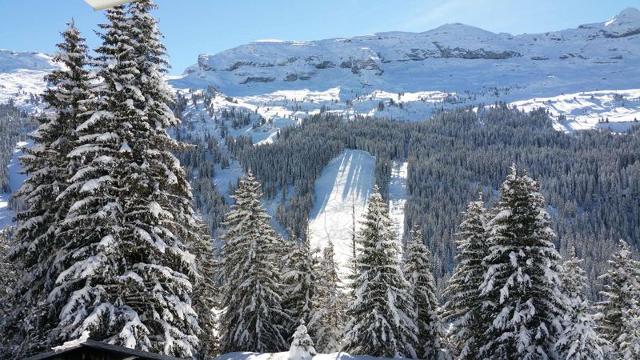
(452, 57)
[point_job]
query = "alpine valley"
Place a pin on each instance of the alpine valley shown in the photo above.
(450, 194)
(432, 118)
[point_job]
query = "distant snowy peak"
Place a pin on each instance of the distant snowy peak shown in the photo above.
(11, 61)
(626, 23)
(452, 57)
(22, 76)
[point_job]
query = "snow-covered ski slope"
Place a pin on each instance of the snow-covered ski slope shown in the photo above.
(414, 74)
(398, 196)
(341, 195)
(341, 192)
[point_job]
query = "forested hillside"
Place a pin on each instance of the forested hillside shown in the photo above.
(592, 179)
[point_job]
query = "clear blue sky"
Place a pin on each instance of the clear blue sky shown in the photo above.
(192, 27)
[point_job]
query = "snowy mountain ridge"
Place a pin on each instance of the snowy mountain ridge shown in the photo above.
(451, 58)
(22, 75)
(15, 61)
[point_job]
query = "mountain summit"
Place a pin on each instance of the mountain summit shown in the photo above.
(452, 57)
(626, 23)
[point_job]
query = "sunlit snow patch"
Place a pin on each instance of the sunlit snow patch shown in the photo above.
(617, 110)
(398, 196)
(343, 187)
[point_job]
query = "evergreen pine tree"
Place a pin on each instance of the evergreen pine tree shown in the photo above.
(159, 221)
(381, 317)
(521, 287)
(7, 288)
(302, 345)
(299, 280)
(463, 308)
(253, 319)
(418, 271)
(87, 293)
(627, 345)
(329, 305)
(38, 246)
(579, 340)
(620, 307)
(128, 277)
(205, 295)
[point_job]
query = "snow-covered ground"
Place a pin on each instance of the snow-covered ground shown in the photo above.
(285, 356)
(398, 196)
(21, 85)
(613, 109)
(15, 181)
(572, 111)
(342, 189)
(22, 75)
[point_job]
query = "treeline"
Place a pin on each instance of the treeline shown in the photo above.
(591, 178)
(199, 160)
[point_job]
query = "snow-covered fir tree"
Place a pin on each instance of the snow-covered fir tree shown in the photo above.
(206, 295)
(329, 304)
(38, 246)
(159, 220)
(620, 308)
(418, 271)
(627, 346)
(128, 276)
(253, 291)
(7, 281)
(302, 345)
(381, 315)
(463, 309)
(579, 339)
(521, 287)
(86, 291)
(299, 280)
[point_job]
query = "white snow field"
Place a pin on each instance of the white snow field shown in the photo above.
(613, 109)
(22, 75)
(451, 58)
(342, 191)
(398, 196)
(343, 187)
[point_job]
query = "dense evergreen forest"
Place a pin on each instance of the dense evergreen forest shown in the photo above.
(14, 126)
(591, 178)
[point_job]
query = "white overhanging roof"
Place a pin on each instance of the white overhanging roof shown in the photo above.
(105, 4)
